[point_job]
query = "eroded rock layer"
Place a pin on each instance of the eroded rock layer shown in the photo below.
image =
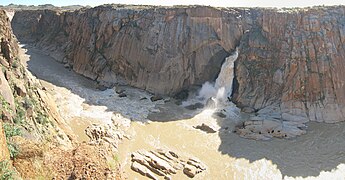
(290, 61)
(162, 50)
(295, 60)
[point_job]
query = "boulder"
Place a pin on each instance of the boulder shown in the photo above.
(166, 163)
(195, 106)
(156, 98)
(20, 89)
(205, 128)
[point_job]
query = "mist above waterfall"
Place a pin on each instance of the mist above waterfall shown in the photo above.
(220, 91)
(216, 95)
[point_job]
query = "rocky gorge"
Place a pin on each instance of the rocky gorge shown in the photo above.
(289, 60)
(285, 72)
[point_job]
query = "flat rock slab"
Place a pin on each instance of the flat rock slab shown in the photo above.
(164, 163)
(267, 129)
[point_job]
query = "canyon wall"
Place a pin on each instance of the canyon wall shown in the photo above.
(290, 60)
(294, 61)
(162, 50)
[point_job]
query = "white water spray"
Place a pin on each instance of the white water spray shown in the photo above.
(222, 88)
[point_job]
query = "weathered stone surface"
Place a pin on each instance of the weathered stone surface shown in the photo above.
(162, 50)
(4, 154)
(156, 98)
(164, 163)
(6, 92)
(206, 128)
(104, 133)
(20, 88)
(266, 129)
(195, 106)
(295, 59)
(143, 170)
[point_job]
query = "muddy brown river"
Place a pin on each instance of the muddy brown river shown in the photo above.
(320, 154)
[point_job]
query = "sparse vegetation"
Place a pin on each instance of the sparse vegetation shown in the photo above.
(5, 172)
(113, 163)
(42, 118)
(20, 115)
(10, 131)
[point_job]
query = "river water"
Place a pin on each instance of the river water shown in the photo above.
(319, 154)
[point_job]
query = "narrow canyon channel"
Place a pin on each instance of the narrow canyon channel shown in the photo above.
(317, 154)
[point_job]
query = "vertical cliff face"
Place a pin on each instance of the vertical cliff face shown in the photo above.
(291, 60)
(162, 50)
(295, 60)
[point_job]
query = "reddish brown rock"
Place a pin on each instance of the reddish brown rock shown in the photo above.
(162, 50)
(4, 154)
(291, 59)
(294, 60)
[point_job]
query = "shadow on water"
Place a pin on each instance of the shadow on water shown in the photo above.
(46, 68)
(321, 149)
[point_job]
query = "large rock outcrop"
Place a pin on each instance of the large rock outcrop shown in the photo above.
(162, 50)
(290, 60)
(294, 61)
(34, 138)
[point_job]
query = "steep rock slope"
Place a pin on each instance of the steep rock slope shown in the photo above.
(162, 50)
(294, 61)
(35, 141)
(290, 61)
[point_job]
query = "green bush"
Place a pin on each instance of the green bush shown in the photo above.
(10, 131)
(42, 118)
(5, 172)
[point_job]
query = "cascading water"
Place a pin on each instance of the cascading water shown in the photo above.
(222, 88)
(219, 93)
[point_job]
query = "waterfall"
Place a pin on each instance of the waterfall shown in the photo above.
(216, 95)
(222, 88)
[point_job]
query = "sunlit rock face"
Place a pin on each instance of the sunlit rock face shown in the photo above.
(289, 60)
(162, 50)
(294, 61)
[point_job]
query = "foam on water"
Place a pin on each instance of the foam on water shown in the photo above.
(219, 91)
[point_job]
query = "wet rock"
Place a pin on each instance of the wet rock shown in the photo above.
(156, 98)
(266, 129)
(195, 106)
(205, 128)
(143, 170)
(101, 87)
(67, 66)
(197, 163)
(122, 95)
(248, 110)
(211, 103)
(119, 91)
(190, 171)
(182, 95)
(220, 114)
